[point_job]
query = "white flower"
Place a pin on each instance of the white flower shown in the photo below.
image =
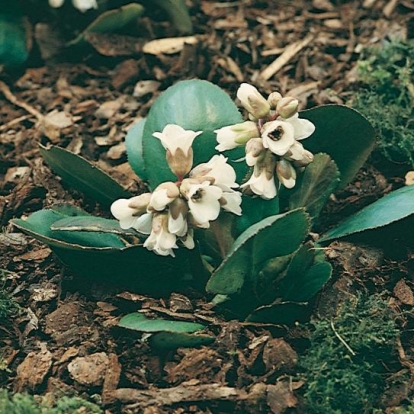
(254, 151)
(253, 101)
(188, 240)
(231, 136)
(303, 128)
(177, 217)
(203, 200)
(178, 141)
(278, 136)
(131, 213)
(231, 201)
(287, 107)
(286, 173)
(82, 5)
(262, 182)
(223, 174)
(163, 195)
(174, 137)
(161, 241)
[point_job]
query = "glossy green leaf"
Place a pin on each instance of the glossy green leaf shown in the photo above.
(91, 224)
(195, 105)
(39, 225)
(14, 49)
(256, 209)
(107, 258)
(271, 237)
(139, 322)
(393, 207)
(133, 143)
(173, 340)
(112, 20)
(315, 185)
(344, 134)
(81, 175)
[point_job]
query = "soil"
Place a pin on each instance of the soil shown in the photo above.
(65, 339)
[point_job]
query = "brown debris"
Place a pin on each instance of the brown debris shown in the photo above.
(90, 370)
(33, 370)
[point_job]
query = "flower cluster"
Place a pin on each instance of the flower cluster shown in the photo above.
(82, 5)
(171, 212)
(271, 137)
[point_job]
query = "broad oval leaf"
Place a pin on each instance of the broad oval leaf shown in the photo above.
(391, 208)
(14, 44)
(133, 143)
(344, 134)
(315, 185)
(271, 237)
(82, 175)
(195, 105)
(139, 322)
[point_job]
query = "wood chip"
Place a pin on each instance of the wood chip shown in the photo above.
(169, 45)
(89, 370)
(289, 53)
(33, 370)
(404, 293)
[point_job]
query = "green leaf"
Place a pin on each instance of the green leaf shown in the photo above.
(315, 185)
(133, 143)
(194, 105)
(82, 175)
(305, 276)
(256, 209)
(173, 340)
(178, 13)
(14, 48)
(91, 224)
(271, 237)
(139, 322)
(393, 207)
(111, 21)
(39, 225)
(344, 134)
(280, 313)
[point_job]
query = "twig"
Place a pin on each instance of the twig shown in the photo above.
(289, 52)
(5, 90)
(342, 340)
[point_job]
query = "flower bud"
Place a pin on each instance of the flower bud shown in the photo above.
(253, 101)
(140, 203)
(231, 136)
(307, 158)
(273, 99)
(254, 151)
(163, 195)
(286, 173)
(287, 107)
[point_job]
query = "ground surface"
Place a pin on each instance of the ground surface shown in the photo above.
(65, 340)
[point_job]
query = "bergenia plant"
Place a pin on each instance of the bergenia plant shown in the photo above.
(249, 249)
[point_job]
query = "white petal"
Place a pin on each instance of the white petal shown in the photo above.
(303, 128)
(188, 241)
(143, 224)
(278, 136)
(253, 100)
(123, 213)
(84, 5)
(177, 226)
(173, 137)
(262, 186)
(206, 206)
(233, 201)
(56, 3)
